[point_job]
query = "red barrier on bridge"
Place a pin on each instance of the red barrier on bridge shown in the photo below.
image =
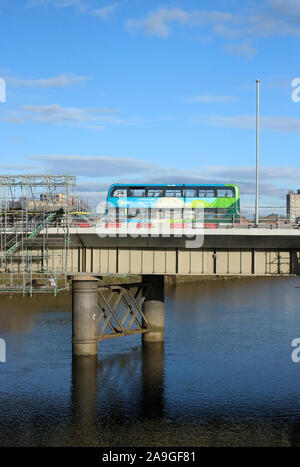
(82, 224)
(113, 225)
(141, 225)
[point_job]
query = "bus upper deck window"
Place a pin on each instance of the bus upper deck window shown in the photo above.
(136, 192)
(190, 193)
(173, 194)
(227, 192)
(207, 193)
(151, 193)
(119, 193)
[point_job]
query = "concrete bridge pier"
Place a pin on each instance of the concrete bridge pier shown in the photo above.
(84, 315)
(154, 309)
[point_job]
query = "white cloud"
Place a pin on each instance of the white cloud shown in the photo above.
(275, 181)
(260, 19)
(91, 118)
(264, 19)
(157, 23)
(18, 168)
(281, 124)
(273, 123)
(209, 98)
(62, 80)
(243, 49)
(253, 20)
(89, 187)
(11, 118)
(102, 171)
(236, 121)
(286, 7)
(97, 166)
(105, 12)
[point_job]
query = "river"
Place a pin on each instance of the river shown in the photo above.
(224, 376)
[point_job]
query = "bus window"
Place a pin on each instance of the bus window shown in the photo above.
(119, 193)
(173, 193)
(222, 213)
(190, 193)
(155, 193)
(210, 213)
(227, 192)
(207, 193)
(136, 192)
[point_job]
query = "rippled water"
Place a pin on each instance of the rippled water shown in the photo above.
(223, 377)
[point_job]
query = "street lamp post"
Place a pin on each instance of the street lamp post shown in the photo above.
(257, 150)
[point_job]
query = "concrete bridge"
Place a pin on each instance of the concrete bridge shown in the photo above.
(255, 251)
(113, 311)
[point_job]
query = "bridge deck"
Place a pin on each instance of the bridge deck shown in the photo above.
(223, 252)
(218, 238)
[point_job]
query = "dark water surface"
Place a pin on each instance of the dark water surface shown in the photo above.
(223, 377)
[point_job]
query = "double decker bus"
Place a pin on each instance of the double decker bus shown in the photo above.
(217, 203)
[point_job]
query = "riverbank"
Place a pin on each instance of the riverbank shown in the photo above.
(40, 283)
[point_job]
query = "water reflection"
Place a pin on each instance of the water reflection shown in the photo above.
(119, 387)
(84, 391)
(152, 391)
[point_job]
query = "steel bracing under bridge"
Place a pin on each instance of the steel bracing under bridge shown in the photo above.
(101, 313)
(121, 310)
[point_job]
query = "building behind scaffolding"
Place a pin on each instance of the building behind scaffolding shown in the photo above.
(293, 206)
(29, 205)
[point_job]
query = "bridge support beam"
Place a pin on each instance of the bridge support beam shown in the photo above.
(84, 315)
(154, 309)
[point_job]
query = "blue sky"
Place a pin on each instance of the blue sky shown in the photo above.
(154, 91)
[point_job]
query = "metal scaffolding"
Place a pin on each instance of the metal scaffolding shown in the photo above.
(29, 206)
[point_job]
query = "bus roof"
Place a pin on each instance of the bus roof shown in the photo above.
(171, 184)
